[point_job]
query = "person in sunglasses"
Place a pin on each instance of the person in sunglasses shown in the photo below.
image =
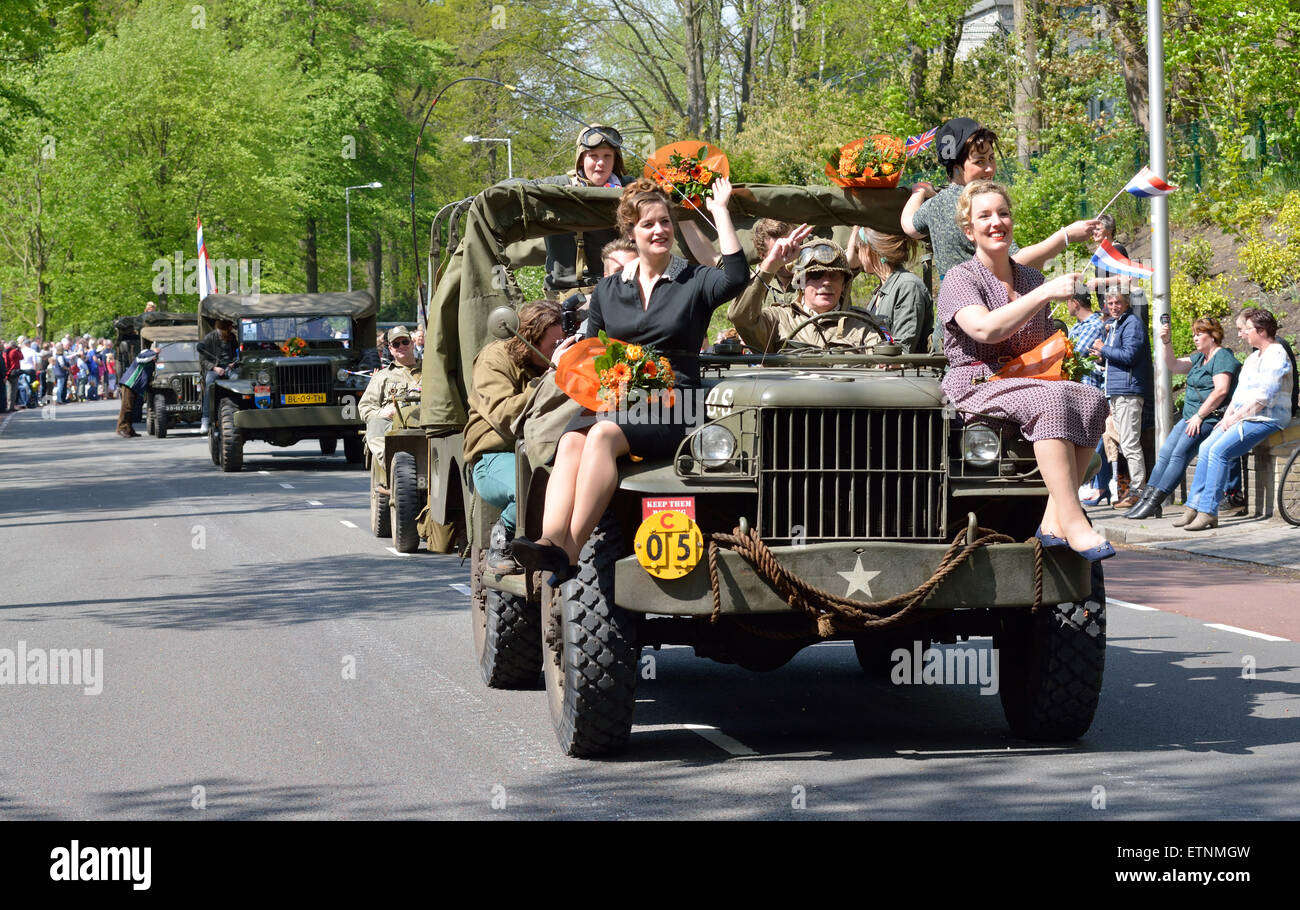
(376, 407)
(823, 281)
(573, 260)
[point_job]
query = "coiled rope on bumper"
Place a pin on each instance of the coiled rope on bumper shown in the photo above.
(832, 614)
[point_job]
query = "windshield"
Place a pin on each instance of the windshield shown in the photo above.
(308, 328)
(178, 350)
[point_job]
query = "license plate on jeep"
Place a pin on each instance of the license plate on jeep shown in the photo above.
(303, 398)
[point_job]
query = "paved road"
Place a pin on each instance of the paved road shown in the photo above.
(229, 609)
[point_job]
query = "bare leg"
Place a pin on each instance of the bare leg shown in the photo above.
(599, 478)
(560, 489)
(1059, 462)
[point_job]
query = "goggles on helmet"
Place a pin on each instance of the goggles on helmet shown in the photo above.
(596, 136)
(824, 253)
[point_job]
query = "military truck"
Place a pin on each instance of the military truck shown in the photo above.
(176, 391)
(126, 343)
(296, 374)
(824, 497)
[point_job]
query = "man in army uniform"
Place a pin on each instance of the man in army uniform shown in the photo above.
(823, 282)
(377, 408)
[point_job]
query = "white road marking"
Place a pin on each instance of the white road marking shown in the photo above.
(937, 752)
(346, 523)
(1259, 635)
(314, 502)
(464, 589)
(397, 552)
(712, 734)
(267, 473)
(287, 486)
(1124, 603)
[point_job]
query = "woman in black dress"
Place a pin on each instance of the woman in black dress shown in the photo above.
(661, 301)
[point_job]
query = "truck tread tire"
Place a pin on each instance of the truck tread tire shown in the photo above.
(507, 634)
(232, 443)
(354, 448)
(160, 416)
(1051, 666)
(381, 522)
(329, 445)
(214, 443)
(404, 503)
(590, 661)
(148, 422)
(874, 652)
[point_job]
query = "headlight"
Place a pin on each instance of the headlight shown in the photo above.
(263, 377)
(176, 385)
(713, 446)
(980, 446)
(342, 374)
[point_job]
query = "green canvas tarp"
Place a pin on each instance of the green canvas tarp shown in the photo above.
(358, 305)
(478, 276)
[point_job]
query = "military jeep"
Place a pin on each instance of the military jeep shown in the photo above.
(176, 391)
(398, 481)
(295, 378)
(822, 497)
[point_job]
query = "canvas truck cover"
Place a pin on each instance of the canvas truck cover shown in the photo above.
(477, 277)
(166, 334)
(358, 305)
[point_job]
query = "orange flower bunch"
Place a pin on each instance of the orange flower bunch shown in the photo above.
(687, 177)
(874, 156)
(294, 347)
(626, 369)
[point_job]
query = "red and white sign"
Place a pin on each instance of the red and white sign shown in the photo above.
(651, 506)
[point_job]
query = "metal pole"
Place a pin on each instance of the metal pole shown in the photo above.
(1159, 212)
(347, 204)
(510, 162)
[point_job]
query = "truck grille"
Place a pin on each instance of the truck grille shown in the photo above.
(191, 389)
(304, 378)
(851, 474)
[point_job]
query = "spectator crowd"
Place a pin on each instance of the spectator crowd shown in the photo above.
(39, 372)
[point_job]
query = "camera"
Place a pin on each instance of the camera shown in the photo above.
(570, 318)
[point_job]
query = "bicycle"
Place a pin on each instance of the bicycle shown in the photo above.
(1288, 490)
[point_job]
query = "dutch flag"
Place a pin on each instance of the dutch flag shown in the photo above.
(207, 281)
(1109, 258)
(1147, 184)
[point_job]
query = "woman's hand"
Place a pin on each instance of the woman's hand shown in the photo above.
(562, 347)
(1193, 428)
(721, 194)
(1165, 334)
(784, 249)
(925, 188)
(1063, 287)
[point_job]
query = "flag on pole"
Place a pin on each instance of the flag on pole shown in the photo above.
(1113, 261)
(207, 281)
(915, 145)
(1147, 184)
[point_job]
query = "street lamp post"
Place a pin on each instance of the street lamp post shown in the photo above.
(510, 161)
(347, 204)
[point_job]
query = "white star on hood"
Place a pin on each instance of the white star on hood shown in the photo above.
(859, 579)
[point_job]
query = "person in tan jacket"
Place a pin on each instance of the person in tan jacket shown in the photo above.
(376, 407)
(822, 282)
(504, 377)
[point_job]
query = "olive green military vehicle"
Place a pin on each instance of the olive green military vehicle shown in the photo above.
(399, 483)
(127, 341)
(822, 497)
(296, 374)
(176, 391)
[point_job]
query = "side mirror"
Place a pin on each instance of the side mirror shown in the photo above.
(503, 322)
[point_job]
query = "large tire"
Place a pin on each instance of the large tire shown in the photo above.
(404, 503)
(507, 633)
(148, 421)
(381, 522)
(1051, 666)
(590, 653)
(160, 416)
(354, 448)
(875, 651)
(329, 445)
(232, 441)
(214, 443)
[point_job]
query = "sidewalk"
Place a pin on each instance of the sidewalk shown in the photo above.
(1266, 541)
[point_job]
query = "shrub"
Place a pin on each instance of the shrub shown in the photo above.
(1273, 263)
(1189, 300)
(1193, 257)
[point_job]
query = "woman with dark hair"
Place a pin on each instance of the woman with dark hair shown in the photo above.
(994, 308)
(1260, 407)
(1211, 375)
(902, 303)
(662, 301)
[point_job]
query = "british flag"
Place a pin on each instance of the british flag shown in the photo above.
(918, 144)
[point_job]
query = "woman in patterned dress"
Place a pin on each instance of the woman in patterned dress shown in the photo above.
(994, 309)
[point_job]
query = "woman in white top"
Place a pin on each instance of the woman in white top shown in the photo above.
(1259, 408)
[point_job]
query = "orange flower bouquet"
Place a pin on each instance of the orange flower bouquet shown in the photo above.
(294, 347)
(686, 170)
(626, 370)
(1054, 358)
(873, 161)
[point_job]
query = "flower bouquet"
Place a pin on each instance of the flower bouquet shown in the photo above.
(294, 347)
(625, 370)
(874, 161)
(686, 170)
(1054, 358)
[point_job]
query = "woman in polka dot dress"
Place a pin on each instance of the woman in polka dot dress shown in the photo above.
(995, 309)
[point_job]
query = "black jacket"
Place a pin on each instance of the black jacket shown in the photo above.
(215, 351)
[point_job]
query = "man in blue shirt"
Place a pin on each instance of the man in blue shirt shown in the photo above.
(1091, 325)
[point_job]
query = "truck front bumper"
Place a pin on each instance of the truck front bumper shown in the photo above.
(301, 416)
(1000, 575)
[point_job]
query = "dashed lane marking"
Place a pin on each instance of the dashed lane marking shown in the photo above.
(1124, 603)
(397, 552)
(267, 473)
(464, 589)
(314, 502)
(724, 742)
(1260, 635)
(287, 486)
(346, 523)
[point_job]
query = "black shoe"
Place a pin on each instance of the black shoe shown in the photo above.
(500, 558)
(1149, 505)
(544, 557)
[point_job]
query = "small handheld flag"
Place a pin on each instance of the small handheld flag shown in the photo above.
(1146, 184)
(915, 145)
(1110, 259)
